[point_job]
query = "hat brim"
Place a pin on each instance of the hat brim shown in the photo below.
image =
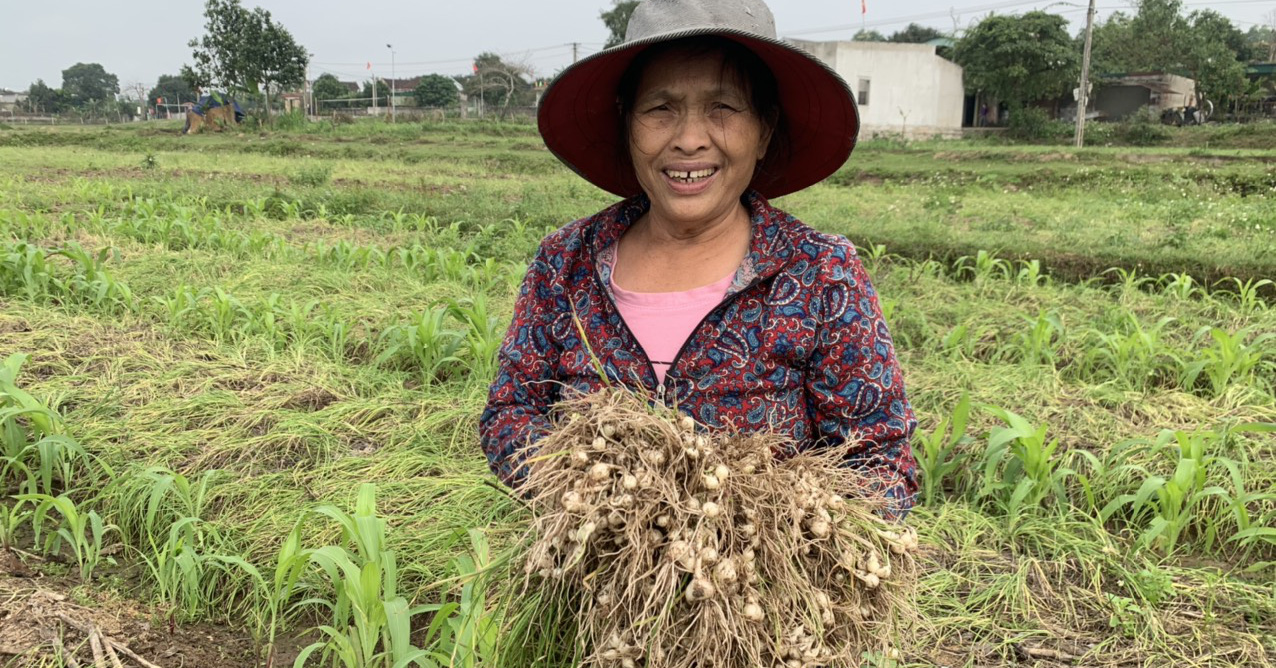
(578, 115)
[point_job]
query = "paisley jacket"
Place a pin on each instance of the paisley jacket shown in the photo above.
(798, 345)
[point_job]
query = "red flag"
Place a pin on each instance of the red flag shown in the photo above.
(476, 68)
(369, 65)
(863, 6)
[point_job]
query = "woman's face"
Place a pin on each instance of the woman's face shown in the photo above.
(694, 137)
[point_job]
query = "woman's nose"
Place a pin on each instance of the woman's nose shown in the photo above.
(692, 132)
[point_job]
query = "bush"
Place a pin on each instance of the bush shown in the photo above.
(293, 120)
(1143, 128)
(311, 175)
(1033, 124)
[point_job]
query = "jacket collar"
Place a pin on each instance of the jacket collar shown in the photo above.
(769, 250)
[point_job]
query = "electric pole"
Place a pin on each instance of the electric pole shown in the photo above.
(1083, 91)
(394, 111)
(575, 47)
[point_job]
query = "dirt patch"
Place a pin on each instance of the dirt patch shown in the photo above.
(44, 619)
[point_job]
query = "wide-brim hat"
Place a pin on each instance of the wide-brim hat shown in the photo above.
(579, 115)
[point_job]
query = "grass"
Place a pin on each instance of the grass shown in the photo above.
(280, 319)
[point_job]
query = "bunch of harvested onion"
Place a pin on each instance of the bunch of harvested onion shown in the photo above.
(681, 548)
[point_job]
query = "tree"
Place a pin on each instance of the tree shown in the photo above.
(1216, 56)
(1019, 59)
(1262, 42)
(868, 36)
(915, 34)
(42, 99)
(383, 92)
(85, 83)
(617, 20)
(497, 82)
(173, 88)
(244, 50)
(436, 90)
(328, 88)
(1204, 46)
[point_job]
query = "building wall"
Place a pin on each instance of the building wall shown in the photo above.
(910, 89)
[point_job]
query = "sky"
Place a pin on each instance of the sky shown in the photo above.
(139, 41)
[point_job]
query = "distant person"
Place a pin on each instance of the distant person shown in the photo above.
(693, 289)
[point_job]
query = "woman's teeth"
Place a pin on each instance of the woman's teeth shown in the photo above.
(690, 177)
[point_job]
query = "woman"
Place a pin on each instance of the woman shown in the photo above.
(693, 288)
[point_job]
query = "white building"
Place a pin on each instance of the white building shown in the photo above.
(901, 88)
(9, 99)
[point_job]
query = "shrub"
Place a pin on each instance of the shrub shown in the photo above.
(1143, 128)
(1032, 124)
(310, 175)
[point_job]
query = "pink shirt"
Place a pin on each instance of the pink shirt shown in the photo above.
(662, 321)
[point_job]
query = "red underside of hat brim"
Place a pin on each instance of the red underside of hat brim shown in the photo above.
(579, 116)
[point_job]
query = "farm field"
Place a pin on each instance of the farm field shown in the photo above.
(216, 341)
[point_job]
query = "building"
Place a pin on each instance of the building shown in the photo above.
(1121, 95)
(9, 99)
(902, 89)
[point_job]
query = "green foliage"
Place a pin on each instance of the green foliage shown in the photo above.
(311, 174)
(327, 89)
(172, 88)
(915, 34)
(370, 620)
(36, 457)
(868, 35)
(42, 99)
(941, 452)
(1034, 124)
(616, 20)
(82, 531)
(436, 90)
(87, 83)
(1204, 46)
(498, 83)
(1019, 59)
(1142, 128)
(245, 51)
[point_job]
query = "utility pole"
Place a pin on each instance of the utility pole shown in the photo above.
(575, 48)
(1083, 91)
(394, 111)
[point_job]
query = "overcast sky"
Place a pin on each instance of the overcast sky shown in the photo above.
(138, 41)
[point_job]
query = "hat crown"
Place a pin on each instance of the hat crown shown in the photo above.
(658, 17)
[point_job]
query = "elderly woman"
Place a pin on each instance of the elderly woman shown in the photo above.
(694, 289)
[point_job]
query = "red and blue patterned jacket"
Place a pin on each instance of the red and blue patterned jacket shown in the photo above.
(798, 346)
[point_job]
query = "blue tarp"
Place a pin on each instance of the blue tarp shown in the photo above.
(214, 100)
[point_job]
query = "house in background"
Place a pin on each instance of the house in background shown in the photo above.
(902, 89)
(1121, 95)
(9, 99)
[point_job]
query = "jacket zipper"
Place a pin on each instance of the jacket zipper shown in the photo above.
(660, 392)
(662, 388)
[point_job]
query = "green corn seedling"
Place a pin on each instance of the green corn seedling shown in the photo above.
(82, 531)
(940, 450)
(426, 342)
(1229, 361)
(370, 619)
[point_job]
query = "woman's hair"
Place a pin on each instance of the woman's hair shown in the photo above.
(738, 62)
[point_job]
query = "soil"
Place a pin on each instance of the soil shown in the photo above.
(44, 617)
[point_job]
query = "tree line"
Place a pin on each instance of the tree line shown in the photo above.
(1020, 59)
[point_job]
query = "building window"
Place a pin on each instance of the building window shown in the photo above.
(862, 99)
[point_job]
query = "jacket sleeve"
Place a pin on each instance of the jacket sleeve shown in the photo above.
(854, 385)
(523, 391)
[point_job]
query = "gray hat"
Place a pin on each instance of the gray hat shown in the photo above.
(580, 120)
